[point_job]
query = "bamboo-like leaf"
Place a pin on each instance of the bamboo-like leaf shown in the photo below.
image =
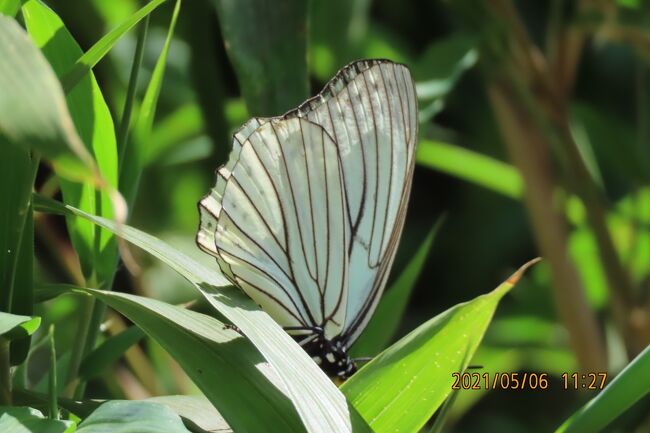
(471, 166)
(28, 420)
(33, 113)
(196, 411)
(111, 350)
(266, 41)
(92, 118)
(401, 388)
(391, 308)
(134, 157)
(215, 358)
(13, 325)
(320, 404)
(90, 58)
(631, 385)
(132, 417)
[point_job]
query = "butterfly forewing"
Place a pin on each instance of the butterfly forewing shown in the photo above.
(307, 213)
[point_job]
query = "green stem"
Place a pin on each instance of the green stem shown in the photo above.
(125, 122)
(53, 398)
(5, 373)
(78, 352)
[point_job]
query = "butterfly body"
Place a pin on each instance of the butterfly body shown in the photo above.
(307, 213)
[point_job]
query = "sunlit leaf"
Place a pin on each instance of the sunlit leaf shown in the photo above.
(28, 420)
(320, 404)
(33, 113)
(132, 417)
(402, 387)
(90, 58)
(386, 318)
(12, 325)
(92, 118)
(628, 387)
(471, 166)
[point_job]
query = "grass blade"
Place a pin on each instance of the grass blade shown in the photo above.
(320, 404)
(133, 158)
(630, 386)
(33, 112)
(471, 167)
(90, 58)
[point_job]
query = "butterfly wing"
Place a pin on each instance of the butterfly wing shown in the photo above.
(307, 213)
(370, 110)
(277, 222)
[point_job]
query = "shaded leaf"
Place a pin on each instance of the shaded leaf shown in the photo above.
(196, 411)
(109, 352)
(215, 358)
(266, 41)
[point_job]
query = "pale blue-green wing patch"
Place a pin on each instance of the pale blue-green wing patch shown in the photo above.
(370, 111)
(281, 223)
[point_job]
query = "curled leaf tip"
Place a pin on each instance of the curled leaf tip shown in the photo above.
(514, 278)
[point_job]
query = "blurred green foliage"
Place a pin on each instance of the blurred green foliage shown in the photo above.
(515, 98)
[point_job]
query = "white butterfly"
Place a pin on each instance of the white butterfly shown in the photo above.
(307, 213)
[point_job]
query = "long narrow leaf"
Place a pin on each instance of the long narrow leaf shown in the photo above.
(134, 156)
(215, 358)
(89, 112)
(33, 112)
(471, 166)
(400, 389)
(391, 308)
(266, 41)
(320, 404)
(97, 52)
(630, 386)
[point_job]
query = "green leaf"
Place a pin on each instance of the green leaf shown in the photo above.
(631, 385)
(33, 113)
(320, 404)
(110, 351)
(23, 288)
(96, 248)
(337, 28)
(266, 41)
(90, 58)
(13, 325)
(16, 182)
(442, 64)
(134, 156)
(196, 411)
(215, 358)
(9, 7)
(386, 319)
(132, 417)
(471, 166)
(28, 420)
(400, 389)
